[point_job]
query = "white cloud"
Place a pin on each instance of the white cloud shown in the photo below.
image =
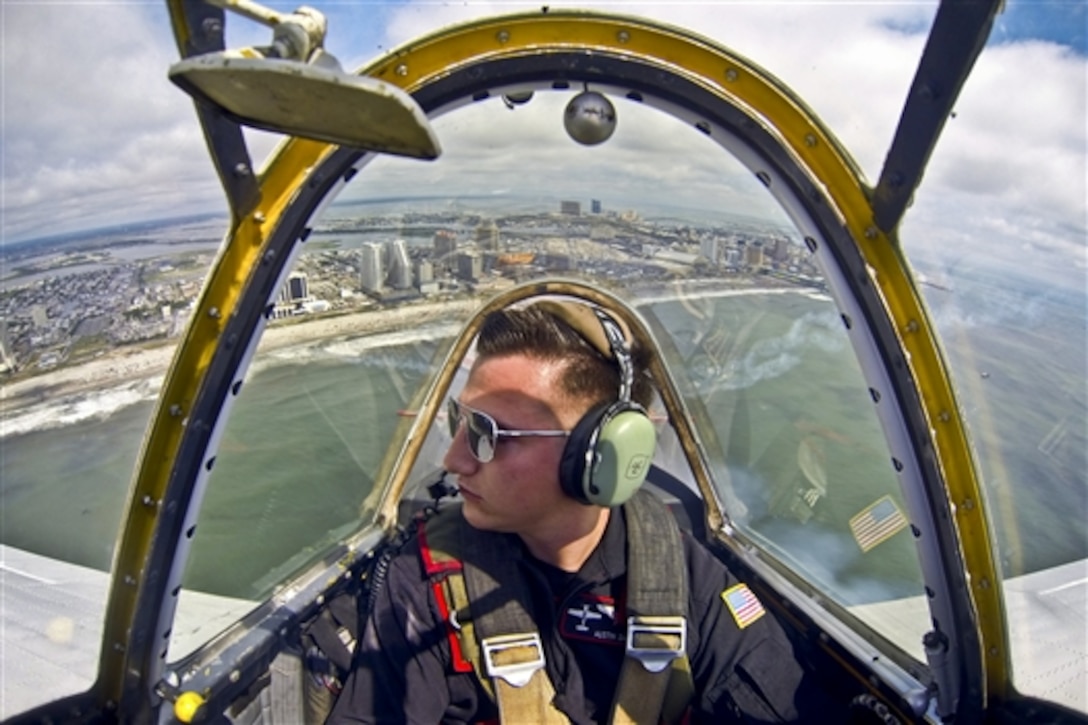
(856, 83)
(846, 60)
(1010, 166)
(651, 158)
(1009, 174)
(94, 133)
(1019, 134)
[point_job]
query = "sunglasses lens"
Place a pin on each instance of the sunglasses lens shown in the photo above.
(453, 416)
(479, 430)
(481, 438)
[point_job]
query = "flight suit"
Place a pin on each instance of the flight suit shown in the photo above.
(742, 663)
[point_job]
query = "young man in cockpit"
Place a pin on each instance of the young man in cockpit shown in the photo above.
(545, 599)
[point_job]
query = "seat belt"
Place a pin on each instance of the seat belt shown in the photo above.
(487, 604)
(489, 607)
(655, 682)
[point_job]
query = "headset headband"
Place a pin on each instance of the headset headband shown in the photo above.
(617, 344)
(610, 450)
(604, 332)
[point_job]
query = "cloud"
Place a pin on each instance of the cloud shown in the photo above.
(1018, 137)
(1009, 169)
(856, 83)
(527, 151)
(94, 133)
(1009, 175)
(872, 59)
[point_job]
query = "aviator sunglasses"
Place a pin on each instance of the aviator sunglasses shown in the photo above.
(482, 432)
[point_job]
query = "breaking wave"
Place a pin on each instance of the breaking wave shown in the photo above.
(346, 349)
(80, 407)
(97, 405)
(695, 293)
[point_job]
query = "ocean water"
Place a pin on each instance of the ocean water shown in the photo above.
(775, 378)
(1019, 353)
(63, 488)
(295, 462)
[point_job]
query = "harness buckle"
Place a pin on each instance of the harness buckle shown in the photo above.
(656, 641)
(513, 657)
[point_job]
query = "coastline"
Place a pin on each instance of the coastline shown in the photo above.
(135, 363)
(132, 363)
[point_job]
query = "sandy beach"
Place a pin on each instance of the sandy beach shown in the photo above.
(135, 363)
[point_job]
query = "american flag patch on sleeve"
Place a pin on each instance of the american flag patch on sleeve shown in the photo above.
(742, 604)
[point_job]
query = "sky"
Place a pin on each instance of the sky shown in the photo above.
(95, 135)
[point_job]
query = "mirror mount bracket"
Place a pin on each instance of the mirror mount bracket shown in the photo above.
(295, 87)
(295, 36)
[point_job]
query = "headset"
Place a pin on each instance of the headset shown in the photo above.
(609, 451)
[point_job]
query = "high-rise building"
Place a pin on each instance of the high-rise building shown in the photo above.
(754, 255)
(780, 249)
(487, 236)
(400, 265)
(424, 272)
(710, 248)
(574, 208)
(445, 242)
(595, 206)
(424, 277)
(370, 267)
(469, 267)
(7, 355)
(296, 289)
(293, 295)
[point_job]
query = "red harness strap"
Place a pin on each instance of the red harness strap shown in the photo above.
(439, 570)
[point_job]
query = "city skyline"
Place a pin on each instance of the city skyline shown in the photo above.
(74, 304)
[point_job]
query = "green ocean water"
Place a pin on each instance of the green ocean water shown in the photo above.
(773, 374)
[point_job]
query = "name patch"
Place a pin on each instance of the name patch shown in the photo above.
(592, 619)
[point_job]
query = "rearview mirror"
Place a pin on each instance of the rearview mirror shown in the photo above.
(310, 100)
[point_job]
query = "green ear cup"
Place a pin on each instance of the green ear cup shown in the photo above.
(624, 450)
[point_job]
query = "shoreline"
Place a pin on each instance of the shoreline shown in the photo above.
(132, 364)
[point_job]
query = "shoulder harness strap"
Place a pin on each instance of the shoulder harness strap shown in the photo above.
(486, 604)
(490, 625)
(655, 682)
(438, 546)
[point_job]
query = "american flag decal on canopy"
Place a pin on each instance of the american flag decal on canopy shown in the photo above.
(742, 604)
(877, 523)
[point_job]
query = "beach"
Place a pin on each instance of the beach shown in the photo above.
(131, 363)
(146, 361)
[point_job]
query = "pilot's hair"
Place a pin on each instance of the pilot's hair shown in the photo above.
(538, 333)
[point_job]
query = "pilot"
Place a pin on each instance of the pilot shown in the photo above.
(551, 386)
